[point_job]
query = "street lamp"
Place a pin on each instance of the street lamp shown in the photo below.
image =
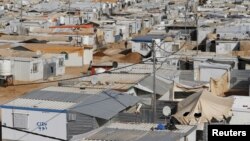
(148, 39)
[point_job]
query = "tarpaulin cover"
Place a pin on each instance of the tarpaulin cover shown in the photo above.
(193, 86)
(220, 85)
(203, 107)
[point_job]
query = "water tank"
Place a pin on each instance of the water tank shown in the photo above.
(100, 70)
(5, 67)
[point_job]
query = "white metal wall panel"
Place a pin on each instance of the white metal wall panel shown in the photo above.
(207, 73)
(39, 74)
(240, 118)
(21, 70)
(88, 56)
(46, 123)
(74, 60)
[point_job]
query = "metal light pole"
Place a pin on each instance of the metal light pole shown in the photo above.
(154, 83)
(197, 33)
(186, 6)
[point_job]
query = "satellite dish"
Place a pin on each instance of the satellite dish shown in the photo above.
(94, 80)
(166, 111)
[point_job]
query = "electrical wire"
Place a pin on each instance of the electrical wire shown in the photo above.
(82, 76)
(28, 132)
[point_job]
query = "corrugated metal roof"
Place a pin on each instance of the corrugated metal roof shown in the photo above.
(187, 75)
(72, 90)
(148, 126)
(62, 89)
(160, 136)
(32, 103)
(138, 68)
(55, 96)
(132, 126)
(161, 86)
(105, 105)
(193, 84)
(109, 134)
(168, 74)
(116, 78)
(139, 132)
(107, 85)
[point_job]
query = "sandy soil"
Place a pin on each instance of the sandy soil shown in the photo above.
(12, 92)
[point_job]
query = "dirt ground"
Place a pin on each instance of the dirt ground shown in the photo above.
(76, 70)
(12, 92)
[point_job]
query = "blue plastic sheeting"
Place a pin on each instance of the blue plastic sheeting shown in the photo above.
(148, 38)
(160, 127)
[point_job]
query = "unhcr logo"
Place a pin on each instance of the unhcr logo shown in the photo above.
(41, 126)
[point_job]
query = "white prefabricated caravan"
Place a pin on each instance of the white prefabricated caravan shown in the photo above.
(27, 69)
(59, 115)
(226, 47)
(53, 65)
(240, 109)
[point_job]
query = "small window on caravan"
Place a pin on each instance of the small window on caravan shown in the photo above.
(35, 67)
(61, 62)
(20, 121)
(66, 55)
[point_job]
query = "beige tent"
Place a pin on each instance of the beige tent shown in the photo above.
(204, 106)
(220, 85)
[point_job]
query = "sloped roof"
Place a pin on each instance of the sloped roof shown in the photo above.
(137, 132)
(105, 105)
(56, 96)
(161, 86)
(39, 105)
